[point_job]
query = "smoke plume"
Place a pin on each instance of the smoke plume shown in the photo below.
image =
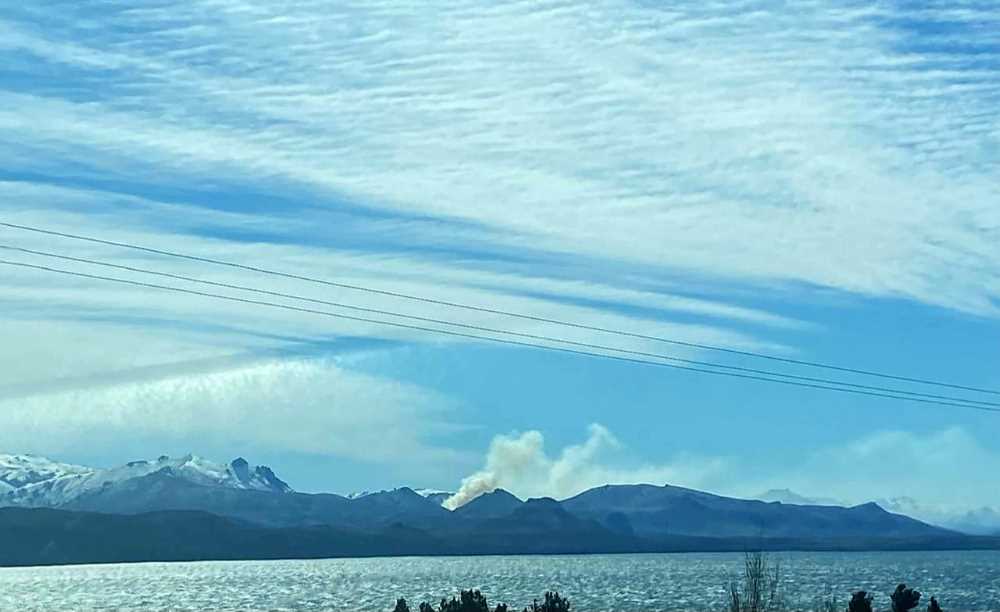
(519, 464)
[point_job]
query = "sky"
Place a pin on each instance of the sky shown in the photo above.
(813, 180)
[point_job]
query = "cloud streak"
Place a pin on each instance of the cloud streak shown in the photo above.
(307, 406)
(601, 130)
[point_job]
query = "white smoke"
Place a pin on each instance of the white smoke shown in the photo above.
(519, 464)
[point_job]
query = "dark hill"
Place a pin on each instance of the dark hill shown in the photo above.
(42, 536)
(659, 512)
(541, 526)
(490, 505)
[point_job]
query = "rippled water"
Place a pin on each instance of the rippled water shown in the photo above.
(961, 580)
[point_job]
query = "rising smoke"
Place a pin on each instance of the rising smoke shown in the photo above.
(519, 464)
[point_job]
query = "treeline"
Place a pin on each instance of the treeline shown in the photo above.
(474, 601)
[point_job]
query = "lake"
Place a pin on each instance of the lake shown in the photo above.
(960, 580)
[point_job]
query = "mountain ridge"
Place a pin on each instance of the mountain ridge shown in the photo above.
(632, 516)
(34, 481)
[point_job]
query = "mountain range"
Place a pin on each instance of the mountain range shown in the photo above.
(979, 521)
(251, 504)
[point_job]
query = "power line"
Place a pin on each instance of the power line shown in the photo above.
(496, 311)
(506, 341)
(491, 330)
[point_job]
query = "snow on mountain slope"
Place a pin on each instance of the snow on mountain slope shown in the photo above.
(434, 495)
(431, 492)
(35, 481)
(360, 494)
(787, 496)
(20, 470)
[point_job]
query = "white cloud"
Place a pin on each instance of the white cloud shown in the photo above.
(891, 464)
(312, 407)
(947, 477)
(81, 320)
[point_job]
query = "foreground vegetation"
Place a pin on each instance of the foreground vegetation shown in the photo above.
(758, 589)
(473, 601)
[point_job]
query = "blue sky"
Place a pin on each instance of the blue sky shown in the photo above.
(816, 180)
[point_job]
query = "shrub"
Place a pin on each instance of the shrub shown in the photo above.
(860, 602)
(904, 599)
(474, 601)
(934, 607)
(760, 587)
(552, 603)
(469, 601)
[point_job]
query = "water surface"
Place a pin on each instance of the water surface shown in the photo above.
(626, 583)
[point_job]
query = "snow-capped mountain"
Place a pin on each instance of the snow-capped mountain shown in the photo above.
(435, 495)
(27, 480)
(18, 471)
(360, 494)
(787, 496)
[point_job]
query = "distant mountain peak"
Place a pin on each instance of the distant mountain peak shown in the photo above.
(496, 503)
(262, 477)
(432, 492)
(17, 471)
(788, 496)
(869, 506)
(367, 493)
(435, 495)
(27, 480)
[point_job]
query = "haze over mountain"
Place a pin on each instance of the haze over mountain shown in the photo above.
(978, 521)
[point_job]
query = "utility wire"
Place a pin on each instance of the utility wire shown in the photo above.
(406, 296)
(491, 330)
(506, 341)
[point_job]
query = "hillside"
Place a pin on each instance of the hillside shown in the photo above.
(657, 512)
